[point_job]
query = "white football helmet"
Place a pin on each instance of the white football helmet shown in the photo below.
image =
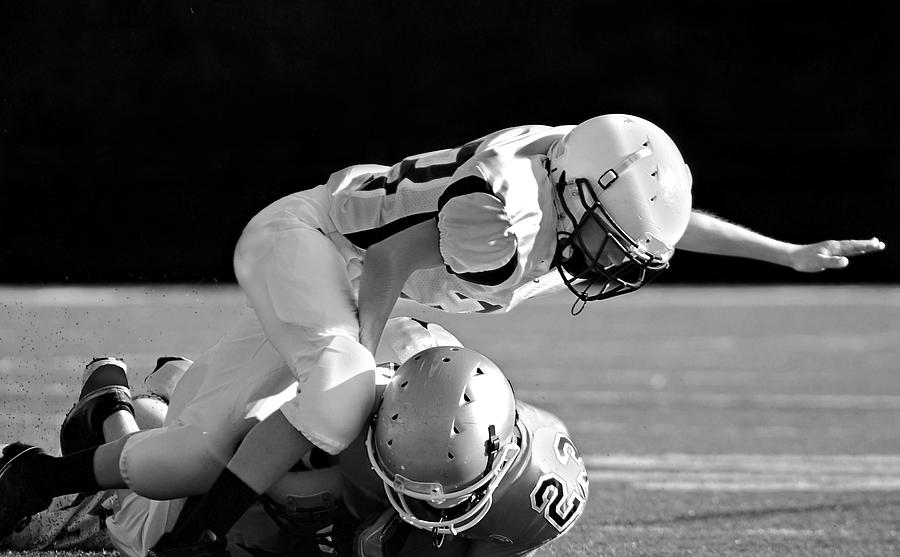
(626, 175)
(443, 438)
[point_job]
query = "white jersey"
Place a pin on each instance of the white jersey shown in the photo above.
(493, 202)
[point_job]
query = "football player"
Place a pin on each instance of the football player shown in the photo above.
(464, 386)
(506, 480)
(106, 411)
(597, 208)
(465, 467)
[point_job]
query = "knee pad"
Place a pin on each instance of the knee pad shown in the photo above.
(171, 462)
(149, 411)
(165, 376)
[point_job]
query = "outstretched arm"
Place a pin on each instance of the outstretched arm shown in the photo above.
(707, 233)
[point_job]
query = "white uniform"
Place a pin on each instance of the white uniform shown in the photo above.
(494, 208)
(139, 521)
(299, 262)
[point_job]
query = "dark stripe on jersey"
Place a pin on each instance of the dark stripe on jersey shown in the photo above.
(464, 186)
(485, 306)
(419, 175)
(492, 277)
(365, 238)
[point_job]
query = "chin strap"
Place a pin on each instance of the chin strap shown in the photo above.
(577, 306)
(437, 539)
(607, 178)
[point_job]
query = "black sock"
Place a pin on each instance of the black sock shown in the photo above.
(62, 475)
(227, 500)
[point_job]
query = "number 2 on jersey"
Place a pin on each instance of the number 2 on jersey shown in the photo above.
(561, 495)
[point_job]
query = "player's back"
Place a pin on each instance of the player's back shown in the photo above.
(364, 202)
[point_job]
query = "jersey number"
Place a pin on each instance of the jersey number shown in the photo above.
(561, 501)
(559, 504)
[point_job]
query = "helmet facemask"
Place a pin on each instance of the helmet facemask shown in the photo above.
(619, 265)
(469, 506)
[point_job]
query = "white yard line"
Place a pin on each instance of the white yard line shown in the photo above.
(116, 296)
(716, 400)
(653, 296)
(797, 533)
(748, 472)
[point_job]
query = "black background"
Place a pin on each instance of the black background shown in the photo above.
(139, 137)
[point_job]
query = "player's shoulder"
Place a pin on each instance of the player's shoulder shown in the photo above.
(518, 137)
(549, 448)
(499, 150)
(547, 490)
(508, 162)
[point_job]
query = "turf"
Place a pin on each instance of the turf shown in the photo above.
(715, 421)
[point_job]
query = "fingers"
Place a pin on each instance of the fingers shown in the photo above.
(836, 253)
(833, 254)
(833, 262)
(858, 247)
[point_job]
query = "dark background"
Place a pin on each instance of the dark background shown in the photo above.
(137, 138)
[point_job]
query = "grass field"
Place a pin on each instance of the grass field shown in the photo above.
(719, 421)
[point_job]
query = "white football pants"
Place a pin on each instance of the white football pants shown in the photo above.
(295, 350)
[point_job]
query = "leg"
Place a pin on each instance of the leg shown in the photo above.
(30, 479)
(105, 391)
(298, 286)
(76, 521)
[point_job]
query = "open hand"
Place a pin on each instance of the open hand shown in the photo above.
(831, 254)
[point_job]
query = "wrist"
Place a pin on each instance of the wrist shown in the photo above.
(785, 255)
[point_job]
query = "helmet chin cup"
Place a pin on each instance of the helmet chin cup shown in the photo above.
(636, 261)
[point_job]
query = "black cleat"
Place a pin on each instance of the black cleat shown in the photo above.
(105, 390)
(16, 503)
